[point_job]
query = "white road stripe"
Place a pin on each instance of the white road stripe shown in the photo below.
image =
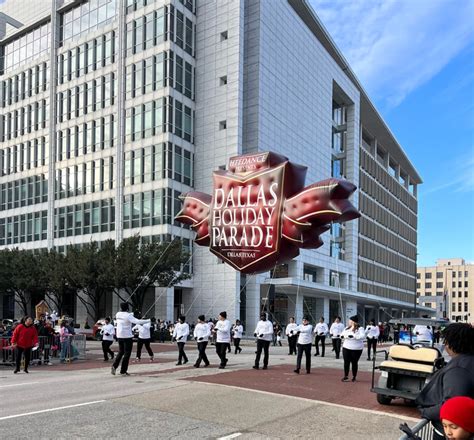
(234, 435)
(18, 384)
(51, 409)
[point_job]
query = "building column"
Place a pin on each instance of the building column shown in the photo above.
(351, 310)
(164, 303)
(299, 308)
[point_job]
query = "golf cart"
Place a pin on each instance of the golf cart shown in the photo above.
(408, 365)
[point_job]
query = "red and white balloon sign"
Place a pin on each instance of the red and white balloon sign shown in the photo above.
(260, 214)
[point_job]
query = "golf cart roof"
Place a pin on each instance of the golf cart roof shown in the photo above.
(420, 321)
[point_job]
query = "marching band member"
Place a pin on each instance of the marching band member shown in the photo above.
(335, 331)
(222, 330)
(290, 333)
(108, 332)
(305, 336)
(320, 331)
(181, 333)
(237, 331)
(264, 334)
(372, 331)
(352, 347)
(201, 334)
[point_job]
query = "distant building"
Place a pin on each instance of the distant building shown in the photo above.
(448, 288)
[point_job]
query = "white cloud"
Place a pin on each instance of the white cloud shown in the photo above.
(395, 46)
(463, 170)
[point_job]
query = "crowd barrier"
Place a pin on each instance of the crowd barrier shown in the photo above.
(423, 430)
(49, 347)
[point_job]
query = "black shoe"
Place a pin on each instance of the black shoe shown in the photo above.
(265, 368)
(206, 365)
(221, 367)
(322, 355)
(240, 350)
(368, 359)
(113, 370)
(196, 366)
(345, 379)
(308, 371)
(353, 379)
(16, 371)
(113, 355)
(124, 374)
(255, 367)
(26, 371)
(297, 371)
(185, 362)
(179, 363)
(317, 354)
(106, 360)
(337, 357)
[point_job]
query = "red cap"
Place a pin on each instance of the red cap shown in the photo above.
(460, 411)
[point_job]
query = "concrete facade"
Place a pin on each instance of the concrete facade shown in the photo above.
(245, 76)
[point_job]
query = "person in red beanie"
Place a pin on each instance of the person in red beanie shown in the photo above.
(24, 338)
(457, 417)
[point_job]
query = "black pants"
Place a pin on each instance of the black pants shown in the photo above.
(106, 349)
(351, 358)
(202, 354)
(140, 344)
(181, 354)
(237, 345)
(27, 353)
(221, 350)
(321, 339)
(371, 344)
(262, 345)
(292, 343)
(336, 345)
(125, 351)
(306, 349)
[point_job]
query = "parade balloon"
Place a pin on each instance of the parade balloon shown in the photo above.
(260, 214)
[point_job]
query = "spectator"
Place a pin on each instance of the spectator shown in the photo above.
(108, 332)
(381, 330)
(65, 342)
(46, 333)
(24, 338)
(455, 379)
(457, 417)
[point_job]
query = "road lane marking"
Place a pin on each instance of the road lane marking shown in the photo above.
(50, 410)
(234, 435)
(18, 384)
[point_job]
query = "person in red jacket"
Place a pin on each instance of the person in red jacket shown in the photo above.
(24, 338)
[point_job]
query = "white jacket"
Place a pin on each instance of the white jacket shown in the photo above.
(372, 331)
(264, 328)
(306, 334)
(202, 331)
(181, 331)
(124, 322)
(321, 329)
(336, 329)
(353, 340)
(107, 331)
(291, 327)
(238, 330)
(223, 331)
(143, 330)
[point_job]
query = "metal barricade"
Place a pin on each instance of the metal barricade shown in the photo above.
(423, 430)
(7, 356)
(73, 348)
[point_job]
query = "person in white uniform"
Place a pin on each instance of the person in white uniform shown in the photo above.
(180, 334)
(222, 330)
(372, 332)
(124, 320)
(237, 331)
(290, 332)
(321, 330)
(144, 339)
(335, 332)
(352, 347)
(264, 334)
(201, 335)
(305, 337)
(107, 331)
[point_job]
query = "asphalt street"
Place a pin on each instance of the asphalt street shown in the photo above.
(160, 400)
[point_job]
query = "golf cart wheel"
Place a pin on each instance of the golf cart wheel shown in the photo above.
(383, 400)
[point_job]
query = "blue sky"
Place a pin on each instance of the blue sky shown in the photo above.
(416, 61)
